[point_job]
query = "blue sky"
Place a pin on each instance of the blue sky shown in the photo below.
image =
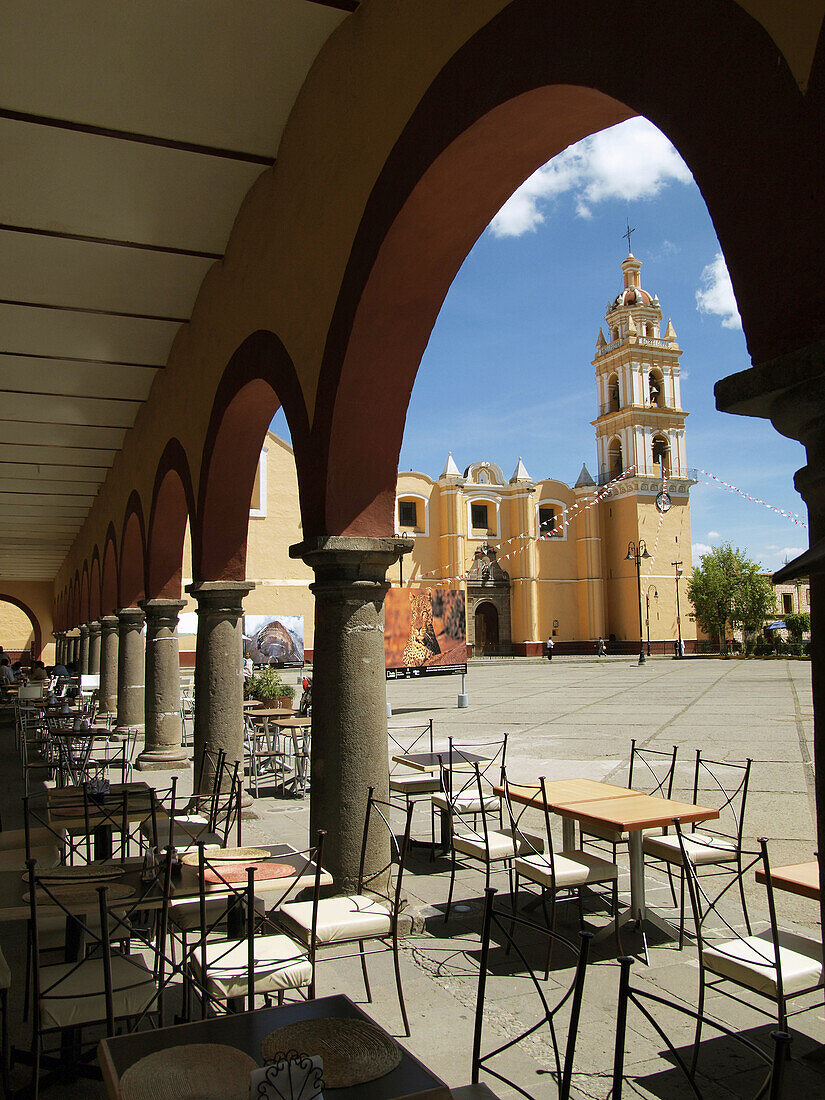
(507, 370)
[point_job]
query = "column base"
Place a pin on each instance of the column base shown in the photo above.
(163, 760)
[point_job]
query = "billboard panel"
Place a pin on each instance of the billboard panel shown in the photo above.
(425, 632)
(274, 639)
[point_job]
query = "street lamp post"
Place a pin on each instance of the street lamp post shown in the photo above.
(635, 552)
(677, 565)
(647, 611)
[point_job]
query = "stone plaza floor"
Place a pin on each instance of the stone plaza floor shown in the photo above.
(575, 717)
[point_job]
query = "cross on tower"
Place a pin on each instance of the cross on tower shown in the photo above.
(627, 234)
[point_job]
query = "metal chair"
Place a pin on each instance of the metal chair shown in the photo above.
(370, 914)
(719, 843)
(254, 957)
(504, 926)
(650, 1006)
(651, 771)
(569, 871)
(773, 964)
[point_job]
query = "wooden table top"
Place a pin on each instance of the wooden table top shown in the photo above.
(246, 1031)
(637, 811)
(431, 761)
(561, 791)
(296, 722)
(795, 878)
(272, 712)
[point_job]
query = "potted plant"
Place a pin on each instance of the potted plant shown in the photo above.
(268, 687)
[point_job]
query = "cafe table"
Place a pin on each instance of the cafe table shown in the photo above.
(246, 1031)
(633, 814)
(65, 809)
(801, 879)
(561, 791)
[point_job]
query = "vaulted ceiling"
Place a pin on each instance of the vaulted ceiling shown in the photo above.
(130, 135)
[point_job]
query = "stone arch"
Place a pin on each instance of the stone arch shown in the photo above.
(614, 392)
(36, 628)
(132, 566)
(75, 610)
(173, 506)
(258, 379)
(661, 453)
(95, 600)
(480, 129)
(615, 457)
(109, 583)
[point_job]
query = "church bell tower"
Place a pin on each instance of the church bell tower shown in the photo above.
(640, 431)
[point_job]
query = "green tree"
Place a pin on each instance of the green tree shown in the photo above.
(728, 589)
(798, 625)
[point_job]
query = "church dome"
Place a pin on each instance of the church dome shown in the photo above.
(630, 296)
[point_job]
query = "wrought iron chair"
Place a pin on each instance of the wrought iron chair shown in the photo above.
(651, 771)
(409, 783)
(570, 871)
(650, 1006)
(254, 957)
(362, 916)
(100, 985)
(719, 843)
(773, 964)
(503, 925)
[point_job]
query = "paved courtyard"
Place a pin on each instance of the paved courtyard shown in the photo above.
(575, 717)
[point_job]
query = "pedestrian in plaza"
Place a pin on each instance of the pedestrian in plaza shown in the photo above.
(550, 648)
(602, 650)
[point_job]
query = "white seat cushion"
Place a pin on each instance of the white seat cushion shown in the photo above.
(467, 803)
(751, 962)
(500, 844)
(415, 783)
(39, 836)
(186, 915)
(51, 929)
(187, 835)
(573, 868)
(703, 848)
(279, 964)
(339, 919)
(14, 859)
(80, 997)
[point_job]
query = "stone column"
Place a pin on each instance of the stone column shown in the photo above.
(130, 665)
(219, 669)
(58, 642)
(94, 648)
(162, 729)
(108, 663)
(349, 710)
(83, 649)
(74, 652)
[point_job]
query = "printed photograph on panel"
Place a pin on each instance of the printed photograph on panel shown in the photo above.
(424, 631)
(274, 639)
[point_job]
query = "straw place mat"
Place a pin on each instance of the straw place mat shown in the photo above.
(196, 1071)
(353, 1051)
(83, 873)
(81, 895)
(228, 855)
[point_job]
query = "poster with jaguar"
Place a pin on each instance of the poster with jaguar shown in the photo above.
(425, 632)
(274, 639)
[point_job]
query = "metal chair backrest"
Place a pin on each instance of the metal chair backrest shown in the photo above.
(406, 739)
(461, 774)
(517, 811)
(505, 923)
(652, 770)
(654, 1007)
(386, 882)
(728, 786)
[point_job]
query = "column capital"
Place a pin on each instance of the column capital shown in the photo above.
(94, 626)
(130, 617)
(161, 608)
(108, 623)
(220, 595)
(83, 630)
(348, 559)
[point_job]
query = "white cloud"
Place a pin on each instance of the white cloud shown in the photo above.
(713, 534)
(698, 550)
(630, 161)
(716, 293)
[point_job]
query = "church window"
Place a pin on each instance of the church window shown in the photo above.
(615, 461)
(547, 522)
(482, 477)
(656, 388)
(787, 603)
(807, 597)
(478, 515)
(613, 397)
(407, 513)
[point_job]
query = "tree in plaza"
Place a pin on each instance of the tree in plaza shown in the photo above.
(798, 625)
(728, 588)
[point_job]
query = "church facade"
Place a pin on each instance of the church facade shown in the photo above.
(534, 558)
(541, 559)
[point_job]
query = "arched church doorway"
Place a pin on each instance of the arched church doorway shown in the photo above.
(486, 627)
